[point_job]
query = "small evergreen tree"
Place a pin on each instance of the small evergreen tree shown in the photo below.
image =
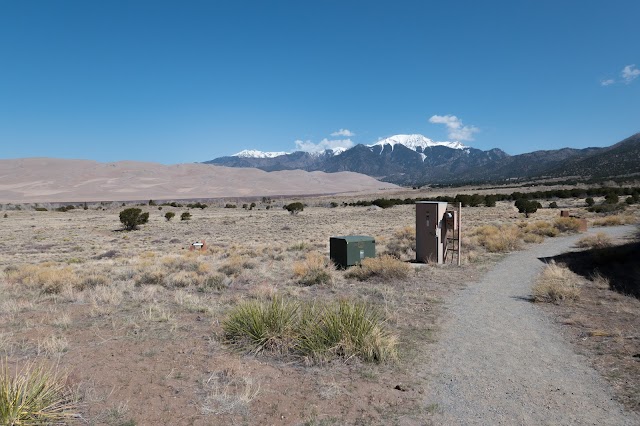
(169, 215)
(133, 217)
(527, 207)
(185, 216)
(294, 208)
(590, 201)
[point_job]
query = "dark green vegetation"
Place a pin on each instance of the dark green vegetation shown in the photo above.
(475, 200)
(133, 217)
(294, 208)
(169, 215)
(315, 332)
(185, 216)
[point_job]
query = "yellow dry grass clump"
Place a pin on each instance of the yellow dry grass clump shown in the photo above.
(48, 277)
(498, 239)
(615, 220)
(314, 269)
(599, 240)
(568, 224)
(556, 284)
(385, 267)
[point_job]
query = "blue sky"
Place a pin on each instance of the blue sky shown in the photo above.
(187, 81)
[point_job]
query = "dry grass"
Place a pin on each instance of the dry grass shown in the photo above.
(498, 239)
(35, 395)
(227, 394)
(402, 244)
(143, 297)
(599, 240)
(569, 225)
(314, 269)
(385, 267)
(556, 284)
(616, 220)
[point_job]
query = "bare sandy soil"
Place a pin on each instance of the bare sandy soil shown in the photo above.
(44, 180)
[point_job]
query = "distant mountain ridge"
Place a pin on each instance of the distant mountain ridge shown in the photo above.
(416, 159)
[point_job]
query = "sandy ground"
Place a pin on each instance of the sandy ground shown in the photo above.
(42, 180)
(500, 361)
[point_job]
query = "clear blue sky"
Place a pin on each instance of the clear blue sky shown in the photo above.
(187, 81)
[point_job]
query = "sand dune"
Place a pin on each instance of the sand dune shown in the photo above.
(58, 180)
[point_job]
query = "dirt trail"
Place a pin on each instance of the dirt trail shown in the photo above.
(500, 361)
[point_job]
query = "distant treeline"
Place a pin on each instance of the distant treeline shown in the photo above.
(490, 200)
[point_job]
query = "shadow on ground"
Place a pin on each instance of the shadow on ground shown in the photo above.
(619, 264)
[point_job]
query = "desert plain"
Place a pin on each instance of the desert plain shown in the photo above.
(135, 320)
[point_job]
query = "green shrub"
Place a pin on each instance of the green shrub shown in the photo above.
(315, 332)
(230, 206)
(553, 205)
(527, 206)
(185, 216)
(133, 217)
(294, 208)
(169, 215)
(589, 201)
(344, 330)
(36, 395)
(261, 326)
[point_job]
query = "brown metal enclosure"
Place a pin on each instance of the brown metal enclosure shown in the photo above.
(430, 231)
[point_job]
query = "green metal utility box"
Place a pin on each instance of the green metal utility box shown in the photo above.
(351, 249)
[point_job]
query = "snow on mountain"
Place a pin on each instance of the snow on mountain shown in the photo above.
(412, 142)
(252, 153)
(416, 141)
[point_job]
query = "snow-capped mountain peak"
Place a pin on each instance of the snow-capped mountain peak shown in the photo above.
(416, 141)
(253, 153)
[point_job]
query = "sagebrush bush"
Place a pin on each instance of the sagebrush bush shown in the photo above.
(385, 267)
(35, 395)
(314, 269)
(556, 284)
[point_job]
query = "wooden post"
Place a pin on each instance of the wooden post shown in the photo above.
(459, 232)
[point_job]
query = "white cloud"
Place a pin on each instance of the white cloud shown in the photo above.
(455, 129)
(607, 82)
(630, 73)
(343, 132)
(324, 144)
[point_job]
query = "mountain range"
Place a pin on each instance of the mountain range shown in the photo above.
(417, 160)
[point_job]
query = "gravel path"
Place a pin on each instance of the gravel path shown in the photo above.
(500, 361)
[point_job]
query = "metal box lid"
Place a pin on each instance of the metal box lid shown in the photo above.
(355, 238)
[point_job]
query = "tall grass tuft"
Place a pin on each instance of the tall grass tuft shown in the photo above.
(35, 395)
(314, 332)
(263, 326)
(344, 330)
